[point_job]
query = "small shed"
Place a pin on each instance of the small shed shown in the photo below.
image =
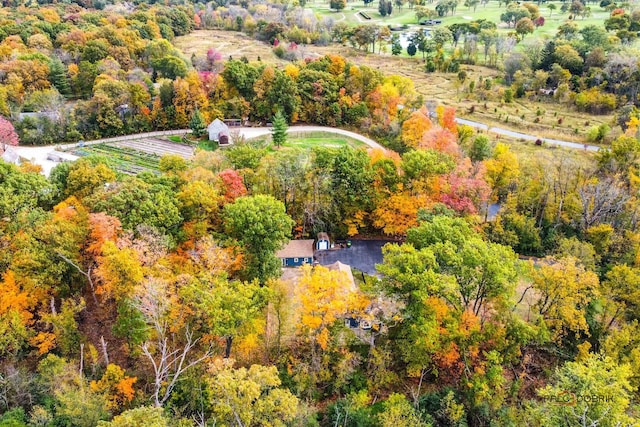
(296, 253)
(323, 243)
(217, 128)
(223, 138)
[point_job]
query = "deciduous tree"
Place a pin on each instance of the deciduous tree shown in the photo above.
(261, 225)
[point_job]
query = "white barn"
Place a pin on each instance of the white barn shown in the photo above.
(219, 132)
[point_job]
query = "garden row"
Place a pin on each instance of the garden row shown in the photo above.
(123, 159)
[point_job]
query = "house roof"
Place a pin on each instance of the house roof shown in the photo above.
(338, 266)
(297, 249)
(218, 125)
(323, 236)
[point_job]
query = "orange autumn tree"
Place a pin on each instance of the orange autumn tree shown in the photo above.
(414, 128)
(447, 118)
(398, 213)
(102, 228)
(116, 387)
(442, 140)
(15, 316)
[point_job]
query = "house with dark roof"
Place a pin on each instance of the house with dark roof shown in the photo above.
(296, 253)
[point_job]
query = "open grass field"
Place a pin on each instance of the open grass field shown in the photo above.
(308, 140)
(491, 12)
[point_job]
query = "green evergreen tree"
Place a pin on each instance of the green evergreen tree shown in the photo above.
(411, 49)
(279, 130)
(58, 77)
(382, 8)
(396, 47)
(197, 124)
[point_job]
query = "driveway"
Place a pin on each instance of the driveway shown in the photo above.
(362, 255)
(39, 156)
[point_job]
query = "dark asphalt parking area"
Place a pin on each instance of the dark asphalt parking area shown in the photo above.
(362, 255)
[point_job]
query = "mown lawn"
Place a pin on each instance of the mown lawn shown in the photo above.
(308, 140)
(207, 145)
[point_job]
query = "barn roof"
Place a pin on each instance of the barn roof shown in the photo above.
(218, 125)
(297, 249)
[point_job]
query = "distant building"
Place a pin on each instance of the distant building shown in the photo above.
(51, 115)
(219, 132)
(323, 242)
(10, 156)
(296, 253)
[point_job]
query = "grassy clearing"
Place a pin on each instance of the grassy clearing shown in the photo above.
(207, 145)
(490, 12)
(308, 140)
(547, 153)
(229, 43)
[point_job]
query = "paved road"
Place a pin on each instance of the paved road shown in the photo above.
(519, 135)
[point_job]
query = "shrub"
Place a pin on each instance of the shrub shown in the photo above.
(598, 133)
(279, 51)
(595, 101)
(508, 96)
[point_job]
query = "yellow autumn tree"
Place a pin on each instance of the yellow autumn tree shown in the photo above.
(118, 272)
(325, 296)
(115, 386)
(564, 290)
(501, 170)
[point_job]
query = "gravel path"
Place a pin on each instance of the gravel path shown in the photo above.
(519, 135)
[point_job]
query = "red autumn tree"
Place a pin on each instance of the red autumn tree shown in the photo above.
(232, 185)
(467, 189)
(8, 135)
(442, 140)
